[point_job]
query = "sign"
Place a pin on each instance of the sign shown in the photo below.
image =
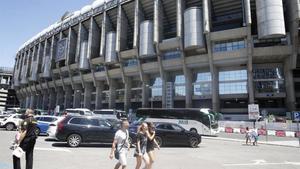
(253, 111)
(61, 50)
(169, 95)
(296, 116)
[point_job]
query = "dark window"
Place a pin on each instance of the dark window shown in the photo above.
(75, 121)
(48, 119)
(95, 122)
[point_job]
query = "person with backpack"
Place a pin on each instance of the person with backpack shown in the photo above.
(121, 146)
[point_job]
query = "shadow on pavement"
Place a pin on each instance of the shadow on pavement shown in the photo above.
(83, 145)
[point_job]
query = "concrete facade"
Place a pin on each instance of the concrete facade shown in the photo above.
(233, 69)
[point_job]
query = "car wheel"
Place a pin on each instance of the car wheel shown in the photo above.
(10, 126)
(193, 130)
(74, 140)
(194, 142)
(159, 141)
(37, 131)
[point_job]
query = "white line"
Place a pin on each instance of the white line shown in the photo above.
(263, 164)
(52, 149)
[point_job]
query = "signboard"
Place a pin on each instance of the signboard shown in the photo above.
(61, 50)
(296, 116)
(253, 111)
(169, 95)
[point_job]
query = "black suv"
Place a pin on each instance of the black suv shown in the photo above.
(85, 129)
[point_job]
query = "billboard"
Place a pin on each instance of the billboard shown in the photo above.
(61, 50)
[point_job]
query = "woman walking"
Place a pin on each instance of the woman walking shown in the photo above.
(247, 136)
(141, 147)
(151, 144)
(121, 146)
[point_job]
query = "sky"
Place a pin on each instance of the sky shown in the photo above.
(22, 19)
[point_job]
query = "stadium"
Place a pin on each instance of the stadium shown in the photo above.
(127, 54)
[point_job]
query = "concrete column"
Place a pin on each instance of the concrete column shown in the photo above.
(215, 89)
(77, 96)
(188, 88)
(33, 101)
(60, 97)
(112, 94)
(39, 101)
(52, 99)
(45, 100)
(99, 89)
(164, 89)
(127, 98)
(27, 105)
(68, 97)
(145, 92)
(87, 99)
(289, 87)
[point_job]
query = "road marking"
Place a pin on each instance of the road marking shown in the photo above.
(263, 163)
(52, 149)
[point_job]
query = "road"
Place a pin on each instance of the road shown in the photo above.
(212, 154)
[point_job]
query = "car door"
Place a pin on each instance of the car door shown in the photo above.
(172, 134)
(105, 133)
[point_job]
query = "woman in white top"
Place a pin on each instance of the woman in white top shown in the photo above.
(121, 146)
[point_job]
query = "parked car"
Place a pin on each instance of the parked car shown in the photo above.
(110, 113)
(78, 111)
(52, 129)
(170, 134)
(44, 122)
(85, 129)
(11, 122)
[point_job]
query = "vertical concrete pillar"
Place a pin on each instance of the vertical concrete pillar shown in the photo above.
(164, 89)
(77, 96)
(188, 88)
(60, 97)
(87, 99)
(68, 97)
(39, 101)
(99, 89)
(289, 86)
(33, 99)
(27, 102)
(45, 100)
(215, 89)
(112, 94)
(52, 99)
(145, 92)
(127, 98)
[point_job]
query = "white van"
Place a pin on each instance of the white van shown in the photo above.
(110, 113)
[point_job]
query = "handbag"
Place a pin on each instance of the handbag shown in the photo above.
(117, 153)
(18, 152)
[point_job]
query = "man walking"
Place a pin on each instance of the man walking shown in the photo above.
(27, 140)
(121, 146)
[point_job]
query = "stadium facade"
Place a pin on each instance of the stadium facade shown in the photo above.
(126, 54)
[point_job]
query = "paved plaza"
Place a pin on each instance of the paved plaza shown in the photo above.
(212, 154)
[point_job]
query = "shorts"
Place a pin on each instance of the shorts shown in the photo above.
(123, 158)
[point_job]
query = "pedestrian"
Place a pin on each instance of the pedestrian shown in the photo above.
(27, 140)
(151, 143)
(121, 146)
(254, 135)
(247, 136)
(141, 147)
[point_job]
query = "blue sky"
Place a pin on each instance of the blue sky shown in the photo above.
(22, 19)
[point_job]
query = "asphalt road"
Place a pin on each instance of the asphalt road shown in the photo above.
(211, 154)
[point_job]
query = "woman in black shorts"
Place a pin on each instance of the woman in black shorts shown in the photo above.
(141, 147)
(151, 143)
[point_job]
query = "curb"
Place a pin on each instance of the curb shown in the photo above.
(242, 141)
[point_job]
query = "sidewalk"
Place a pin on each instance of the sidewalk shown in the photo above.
(288, 143)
